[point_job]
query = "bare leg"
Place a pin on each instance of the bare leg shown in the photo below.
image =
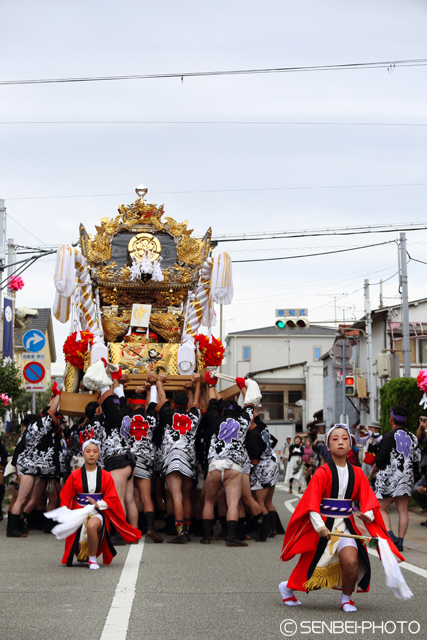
(211, 488)
(93, 526)
(187, 484)
(221, 503)
(54, 497)
(350, 567)
(260, 497)
(384, 505)
(38, 491)
(233, 492)
(131, 510)
(174, 484)
(401, 503)
(158, 493)
(269, 499)
(144, 486)
(251, 505)
(120, 477)
(26, 485)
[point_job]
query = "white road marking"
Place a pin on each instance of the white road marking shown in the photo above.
(289, 505)
(117, 622)
(372, 552)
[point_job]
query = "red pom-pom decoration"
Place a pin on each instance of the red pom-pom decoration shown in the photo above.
(422, 380)
(212, 352)
(209, 379)
(55, 390)
(241, 382)
(116, 375)
(16, 283)
(75, 350)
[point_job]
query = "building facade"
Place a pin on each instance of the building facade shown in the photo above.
(287, 365)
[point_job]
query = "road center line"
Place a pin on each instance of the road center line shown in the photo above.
(402, 565)
(117, 622)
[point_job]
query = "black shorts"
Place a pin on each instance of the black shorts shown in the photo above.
(120, 462)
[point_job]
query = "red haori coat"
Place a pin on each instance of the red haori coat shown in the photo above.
(114, 515)
(301, 538)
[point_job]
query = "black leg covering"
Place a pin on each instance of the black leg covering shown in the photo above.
(231, 539)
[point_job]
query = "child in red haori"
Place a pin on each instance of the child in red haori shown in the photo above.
(328, 560)
(89, 506)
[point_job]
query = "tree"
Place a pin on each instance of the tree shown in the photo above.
(401, 391)
(25, 402)
(10, 381)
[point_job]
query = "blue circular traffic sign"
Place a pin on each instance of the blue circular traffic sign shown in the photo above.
(34, 372)
(33, 341)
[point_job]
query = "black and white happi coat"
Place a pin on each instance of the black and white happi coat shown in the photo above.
(178, 444)
(399, 452)
(228, 434)
(115, 437)
(260, 445)
(40, 456)
(141, 426)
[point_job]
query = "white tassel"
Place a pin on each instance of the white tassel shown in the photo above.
(146, 264)
(135, 270)
(157, 271)
(253, 393)
(222, 279)
(96, 377)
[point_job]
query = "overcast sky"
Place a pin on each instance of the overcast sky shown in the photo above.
(236, 177)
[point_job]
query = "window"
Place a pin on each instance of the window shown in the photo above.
(423, 352)
(325, 372)
(317, 353)
(398, 344)
(294, 396)
(246, 353)
(272, 405)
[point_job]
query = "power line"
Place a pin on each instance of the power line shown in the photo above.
(331, 231)
(311, 255)
(164, 193)
(25, 228)
(390, 66)
(225, 122)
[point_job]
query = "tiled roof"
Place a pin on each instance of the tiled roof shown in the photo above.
(313, 330)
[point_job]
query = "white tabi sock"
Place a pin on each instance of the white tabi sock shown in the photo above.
(346, 603)
(288, 593)
(93, 563)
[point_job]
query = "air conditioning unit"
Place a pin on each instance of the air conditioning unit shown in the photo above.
(383, 365)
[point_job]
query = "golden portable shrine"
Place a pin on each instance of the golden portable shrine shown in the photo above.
(137, 293)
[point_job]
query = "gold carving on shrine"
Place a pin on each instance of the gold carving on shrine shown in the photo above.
(143, 242)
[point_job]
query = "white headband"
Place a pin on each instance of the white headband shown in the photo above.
(91, 441)
(337, 426)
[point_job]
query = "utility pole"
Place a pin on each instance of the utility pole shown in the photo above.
(344, 397)
(369, 346)
(2, 260)
(405, 307)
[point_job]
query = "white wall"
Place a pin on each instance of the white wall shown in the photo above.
(272, 351)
